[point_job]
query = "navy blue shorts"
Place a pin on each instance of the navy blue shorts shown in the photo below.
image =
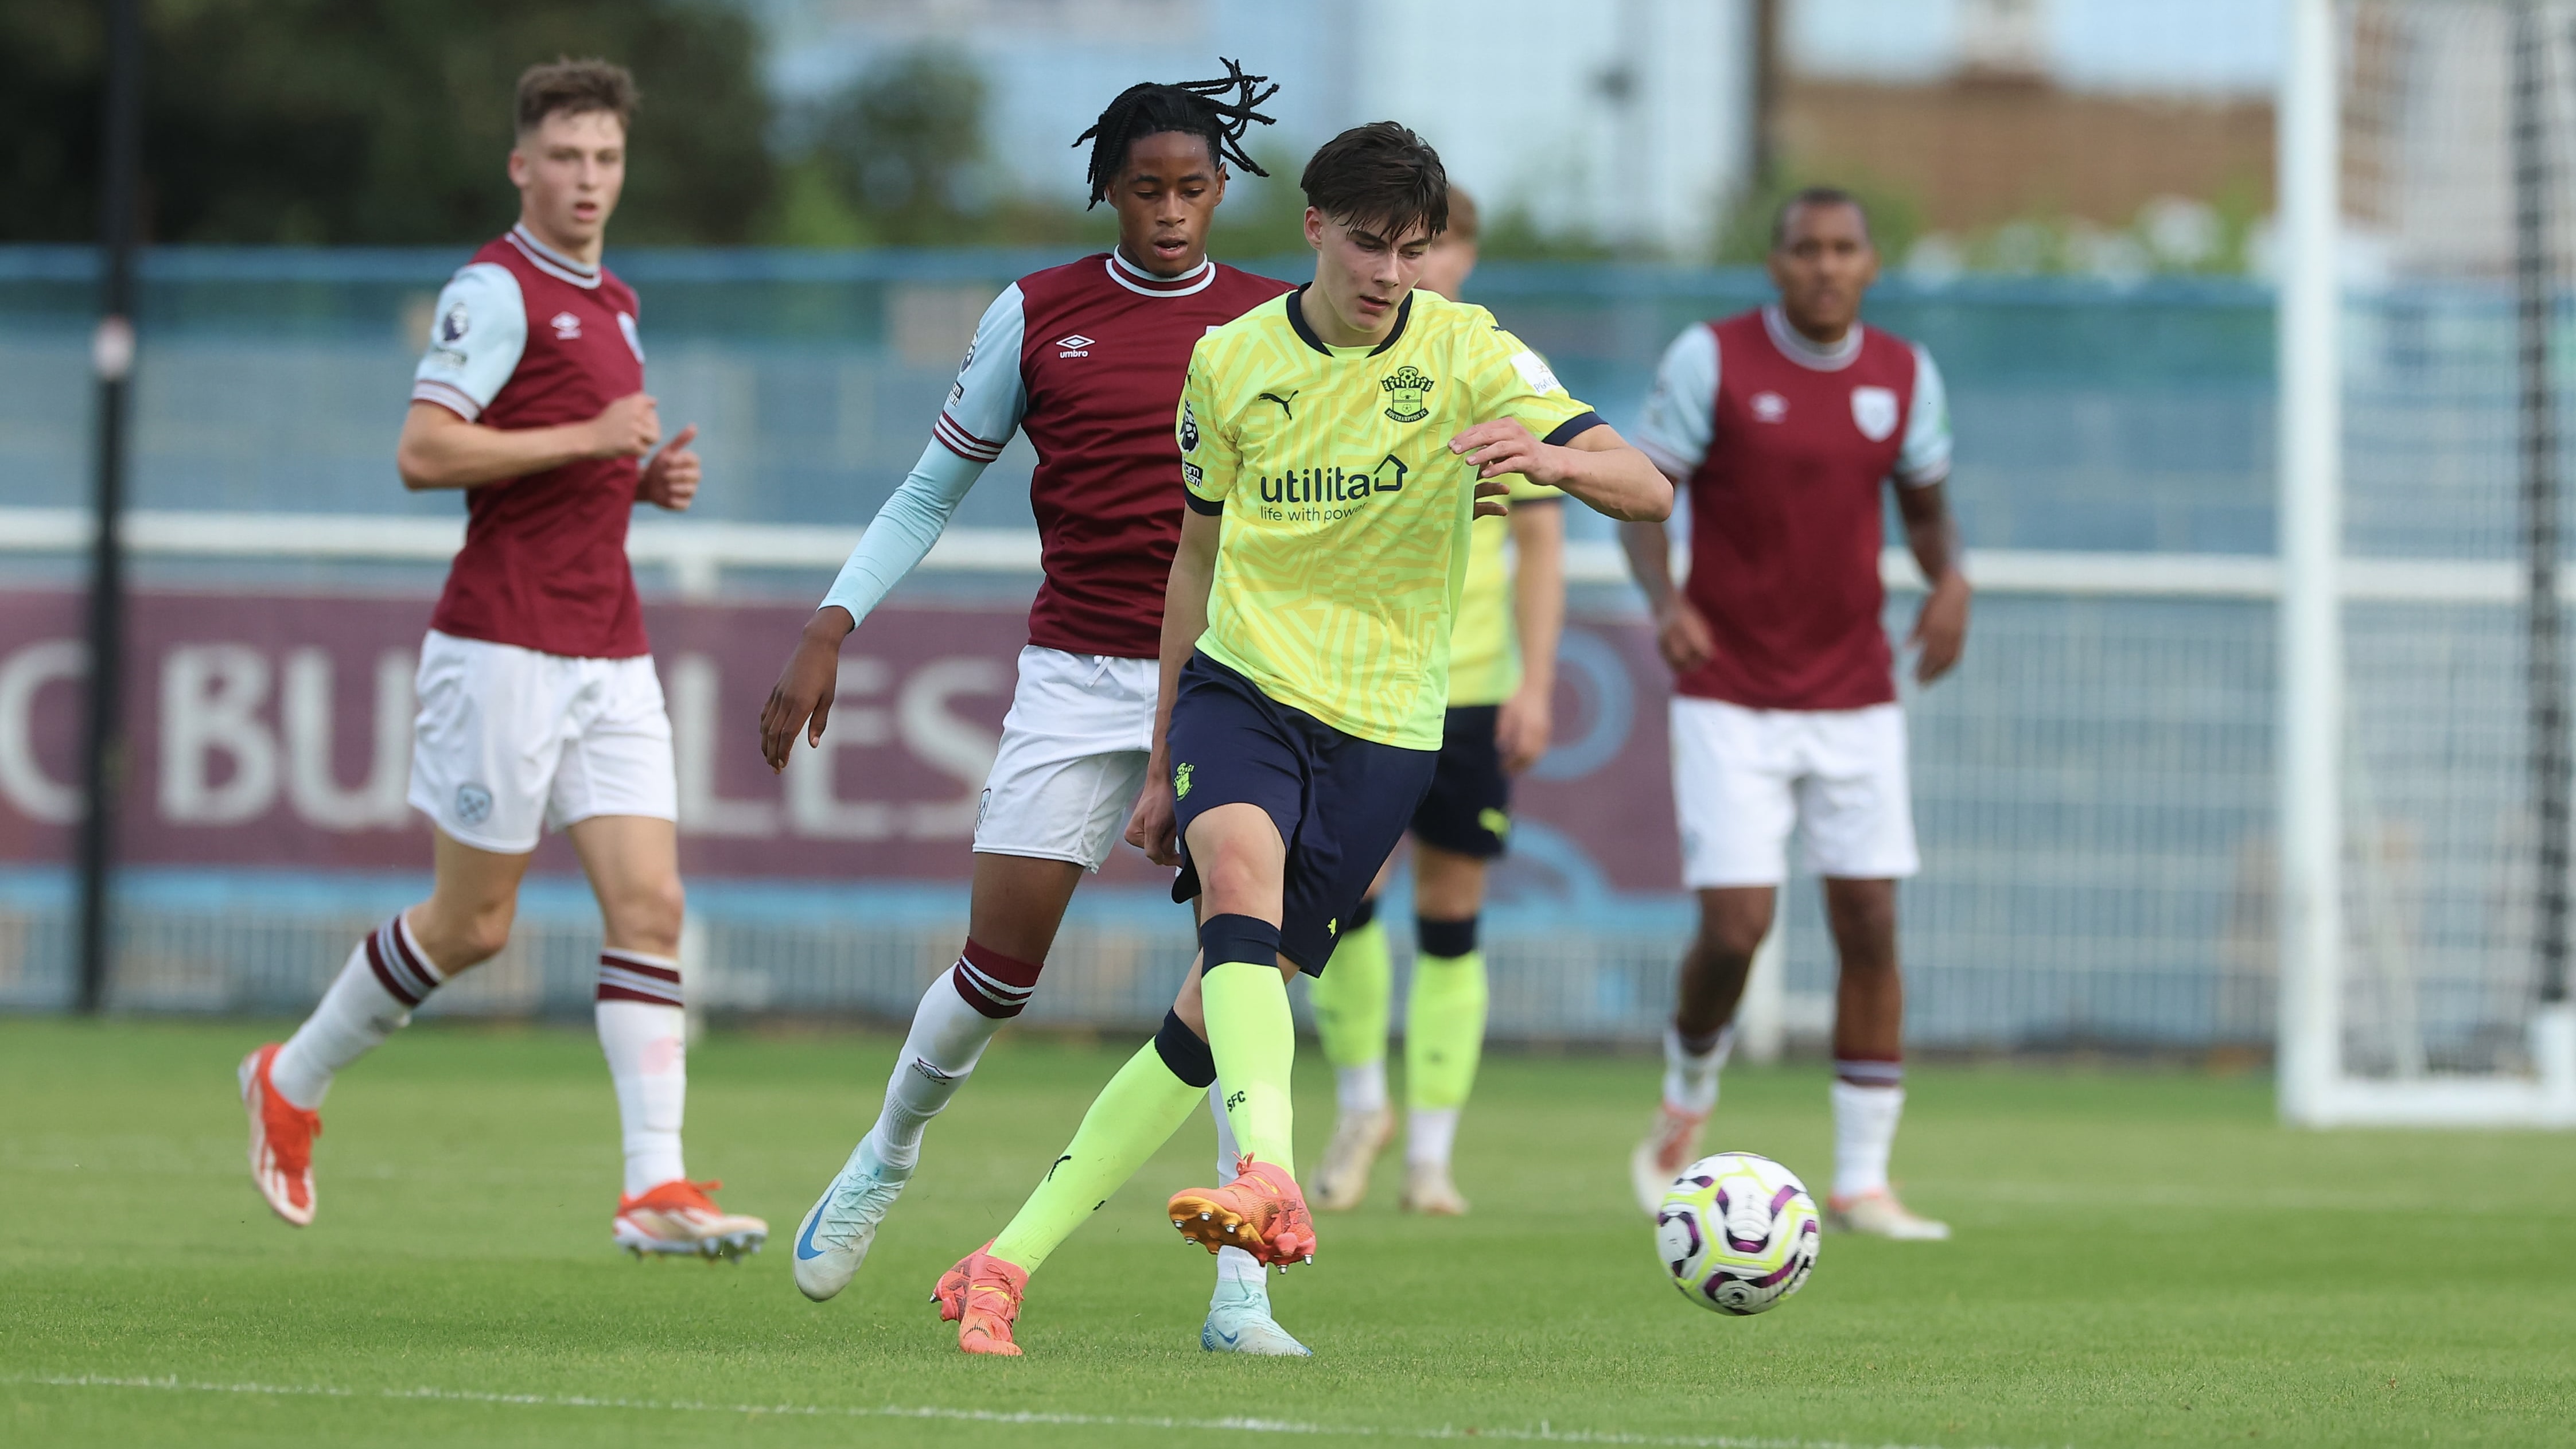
(1340, 802)
(1469, 809)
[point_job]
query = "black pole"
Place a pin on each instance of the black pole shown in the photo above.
(2547, 663)
(112, 351)
(1766, 97)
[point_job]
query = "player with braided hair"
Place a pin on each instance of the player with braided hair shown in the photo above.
(1088, 359)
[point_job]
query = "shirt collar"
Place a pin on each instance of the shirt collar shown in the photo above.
(1795, 346)
(551, 262)
(1306, 334)
(1144, 283)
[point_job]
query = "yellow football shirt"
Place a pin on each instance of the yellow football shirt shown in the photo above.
(1347, 522)
(1484, 647)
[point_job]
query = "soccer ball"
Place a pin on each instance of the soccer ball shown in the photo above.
(1737, 1232)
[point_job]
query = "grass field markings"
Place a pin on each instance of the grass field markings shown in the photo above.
(1545, 1433)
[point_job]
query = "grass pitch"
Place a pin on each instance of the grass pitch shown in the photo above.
(2140, 1259)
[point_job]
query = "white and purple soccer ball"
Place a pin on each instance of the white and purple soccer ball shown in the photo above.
(1737, 1233)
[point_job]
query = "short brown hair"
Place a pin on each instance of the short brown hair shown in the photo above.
(1379, 175)
(575, 87)
(1464, 223)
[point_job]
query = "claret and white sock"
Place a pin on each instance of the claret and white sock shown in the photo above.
(1869, 1097)
(385, 977)
(644, 1033)
(1691, 1065)
(955, 1021)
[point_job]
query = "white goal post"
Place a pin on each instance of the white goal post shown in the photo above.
(2321, 769)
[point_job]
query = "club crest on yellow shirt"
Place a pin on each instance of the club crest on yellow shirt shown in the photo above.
(1405, 390)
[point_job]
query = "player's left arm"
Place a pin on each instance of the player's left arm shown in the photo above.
(1940, 631)
(1525, 723)
(1596, 465)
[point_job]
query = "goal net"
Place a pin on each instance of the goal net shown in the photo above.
(2425, 256)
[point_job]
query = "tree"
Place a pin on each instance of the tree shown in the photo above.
(372, 121)
(904, 146)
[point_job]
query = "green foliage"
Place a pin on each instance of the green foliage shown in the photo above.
(374, 121)
(2142, 1258)
(905, 149)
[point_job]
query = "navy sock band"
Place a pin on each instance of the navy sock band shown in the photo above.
(1188, 1057)
(1445, 938)
(1365, 913)
(1224, 940)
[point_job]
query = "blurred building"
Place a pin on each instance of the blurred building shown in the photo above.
(1986, 111)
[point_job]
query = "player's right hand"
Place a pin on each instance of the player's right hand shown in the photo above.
(1682, 636)
(626, 428)
(1152, 826)
(802, 697)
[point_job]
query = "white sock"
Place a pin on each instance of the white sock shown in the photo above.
(948, 1037)
(1690, 1079)
(1361, 1088)
(1429, 1133)
(644, 1033)
(384, 978)
(1864, 1132)
(1233, 1265)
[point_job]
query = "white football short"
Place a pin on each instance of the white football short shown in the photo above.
(509, 742)
(1073, 755)
(1743, 778)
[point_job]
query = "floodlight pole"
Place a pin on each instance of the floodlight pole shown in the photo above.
(2534, 275)
(112, 354)
(2310, 765)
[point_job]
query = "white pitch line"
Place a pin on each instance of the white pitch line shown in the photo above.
(1543, 1434)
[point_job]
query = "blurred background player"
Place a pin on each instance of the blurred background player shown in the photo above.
(1502, 679)
(1088, 358)
(1782, 423)
(538, 701)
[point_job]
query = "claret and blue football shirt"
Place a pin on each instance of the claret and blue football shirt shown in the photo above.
(1347, 520)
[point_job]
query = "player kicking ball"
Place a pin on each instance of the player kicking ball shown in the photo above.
(1784, 423)
(1502, 658)
(1088, 360)
(538, 702)
(1306, 635)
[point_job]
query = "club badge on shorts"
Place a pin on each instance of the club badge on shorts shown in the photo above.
(473, 804)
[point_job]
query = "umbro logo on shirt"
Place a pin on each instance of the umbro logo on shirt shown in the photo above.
(1076, 345)
(567, 326)
(1769, 407)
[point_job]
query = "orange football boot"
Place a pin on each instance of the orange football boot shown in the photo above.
(281, 1140)
(1261, 1212)
(981, 1295)
(678, 1219)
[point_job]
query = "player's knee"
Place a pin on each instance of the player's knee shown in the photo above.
(1729, 938)
(647, 915)
(477, 937)
(1864, 924)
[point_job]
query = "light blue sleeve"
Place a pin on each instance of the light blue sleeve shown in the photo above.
(984, 408)
(1924, 457)
(904, 529)
(475, 340)
(1680, 414)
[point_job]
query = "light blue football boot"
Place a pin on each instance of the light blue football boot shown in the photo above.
(1239, 1321)
(834, 1238)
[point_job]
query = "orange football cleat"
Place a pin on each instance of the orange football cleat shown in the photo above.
(677, 1218)
(1261, 1212)
(281, 1140)
(981, 1295)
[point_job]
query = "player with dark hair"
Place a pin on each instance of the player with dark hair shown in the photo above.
(538, 702)
(1785, 423)
(1087, 359)
(1502, 657)
(1332, 445)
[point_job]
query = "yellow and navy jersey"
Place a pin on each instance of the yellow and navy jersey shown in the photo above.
(1347, 521)
(1484, 645)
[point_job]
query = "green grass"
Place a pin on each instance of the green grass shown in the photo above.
(2140, 1259)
